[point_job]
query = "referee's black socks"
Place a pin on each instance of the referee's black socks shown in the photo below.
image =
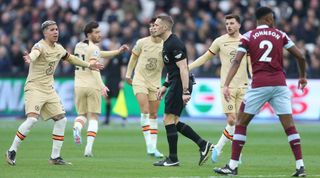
(188, 132)
(172, 136)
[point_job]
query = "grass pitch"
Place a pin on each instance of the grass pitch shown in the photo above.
(120, 152)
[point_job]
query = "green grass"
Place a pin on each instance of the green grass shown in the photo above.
(120, 152)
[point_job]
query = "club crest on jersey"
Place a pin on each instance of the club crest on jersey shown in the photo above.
(178, 56)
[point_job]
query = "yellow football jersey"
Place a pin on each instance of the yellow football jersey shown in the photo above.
(227, 47)
(41, 70)
(149, 65)
(86, 50)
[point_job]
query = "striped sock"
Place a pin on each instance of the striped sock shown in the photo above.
(58, 137)
(153, 133)
(91, 135)
(22, 132)
(294, 141)
(145, 125)
(226, 136)
(239, 139)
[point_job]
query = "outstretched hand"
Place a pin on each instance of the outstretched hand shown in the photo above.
(96, 65)
(123, 48)
(26, 57)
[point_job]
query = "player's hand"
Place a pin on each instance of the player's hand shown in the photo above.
(129, 81)
(161, 92)
(123, 48)
(96, 65)
(121, 84)
(302, 83)
(104, 91)
(226, 93)
(186, 97)
(26, 57)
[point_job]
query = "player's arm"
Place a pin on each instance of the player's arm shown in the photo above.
(301, 65)
(108, 54)
(249, 65)
(78, 62)
(132, 64)
(201, 60)
(232, 72)
(184, 75)
(96, 74)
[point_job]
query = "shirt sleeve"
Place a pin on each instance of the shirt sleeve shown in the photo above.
(287, 42)
(244, 43)
(137, 48)
(214, 48)
(179, 52)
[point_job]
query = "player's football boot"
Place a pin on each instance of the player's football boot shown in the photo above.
(157, 154)
(204, 153)
(59, 161)
(299, 172)
(77, 136)
(11, 157)
(166, 162)
(227, 171)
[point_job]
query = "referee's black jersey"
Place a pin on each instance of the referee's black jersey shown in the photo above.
(173, 51)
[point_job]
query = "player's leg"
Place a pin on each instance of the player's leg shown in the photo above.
(21, 134)
(281, 103)
(33, 105)
(82, 109)
(141, 94)
(229, 109)
(54, 110)
(94, 110)
(91, 133)
(60, 122)
(255, 99)
(153, 107)
(172, 137)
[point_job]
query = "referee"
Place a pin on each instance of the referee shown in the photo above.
(174, 57)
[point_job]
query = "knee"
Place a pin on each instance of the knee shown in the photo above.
(231, 119)
(153, 116)
(167, 120)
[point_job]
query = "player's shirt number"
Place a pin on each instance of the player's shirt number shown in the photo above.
(264, 57)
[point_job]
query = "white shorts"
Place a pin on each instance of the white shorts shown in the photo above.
(279, 97)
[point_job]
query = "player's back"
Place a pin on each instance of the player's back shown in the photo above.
(265, 46)
(86, 51)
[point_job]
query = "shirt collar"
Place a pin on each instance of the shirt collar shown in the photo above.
(263, 26)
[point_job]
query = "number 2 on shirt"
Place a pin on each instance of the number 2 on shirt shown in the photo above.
(264, 57)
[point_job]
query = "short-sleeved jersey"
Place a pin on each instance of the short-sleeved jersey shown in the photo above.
(264, 44)
(86, 50)
(226, 46)
(150, 64)
(173, 51)
(42, 69)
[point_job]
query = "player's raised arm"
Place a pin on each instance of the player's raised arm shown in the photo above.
(201, 60)
(132, 64)
(78, 62)
(301, 61)
(106, 54)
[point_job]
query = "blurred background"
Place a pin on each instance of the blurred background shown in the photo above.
(197, 23)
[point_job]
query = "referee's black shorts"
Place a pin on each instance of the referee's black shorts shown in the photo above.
(173, 100)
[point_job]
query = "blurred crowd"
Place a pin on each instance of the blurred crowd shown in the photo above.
(197, 22)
